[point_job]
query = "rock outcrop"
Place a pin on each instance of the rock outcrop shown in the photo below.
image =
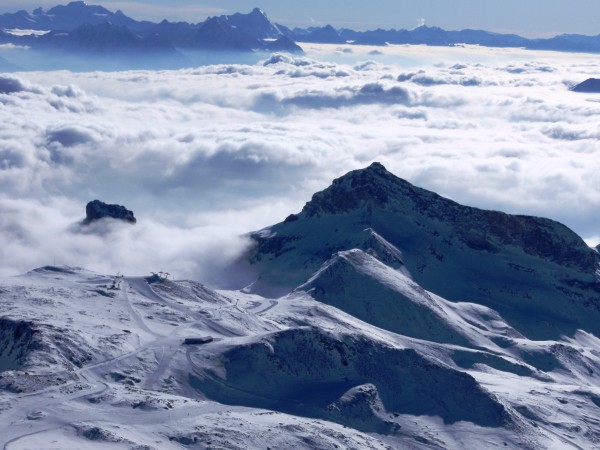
(97, 210)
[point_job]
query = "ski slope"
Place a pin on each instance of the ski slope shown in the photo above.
(108, 368)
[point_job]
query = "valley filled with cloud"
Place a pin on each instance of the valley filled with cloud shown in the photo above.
(204, 155)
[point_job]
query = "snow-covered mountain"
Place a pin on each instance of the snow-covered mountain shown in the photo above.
(255, 23)
(68, 17)
(242, 32)
(394, 318)
(436, 36)
(80, 27)
(514, 264)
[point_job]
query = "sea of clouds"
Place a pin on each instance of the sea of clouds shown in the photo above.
(205, 155)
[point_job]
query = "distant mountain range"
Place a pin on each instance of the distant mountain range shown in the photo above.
(68, 17)
(115, 40)
(79, 28)
(436, 36)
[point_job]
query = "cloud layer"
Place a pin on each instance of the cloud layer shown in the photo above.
(204, 155)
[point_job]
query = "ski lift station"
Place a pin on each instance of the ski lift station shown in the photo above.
(197, 340)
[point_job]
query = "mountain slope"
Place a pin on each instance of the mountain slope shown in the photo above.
(104, 38)
(88, 359)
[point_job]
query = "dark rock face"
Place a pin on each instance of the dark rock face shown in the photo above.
(96, 210)
(590, 86)
(17, 340)
(347, 193)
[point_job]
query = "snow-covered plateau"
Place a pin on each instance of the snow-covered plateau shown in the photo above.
(380, 316)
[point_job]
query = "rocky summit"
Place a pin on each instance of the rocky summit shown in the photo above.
(97, 210)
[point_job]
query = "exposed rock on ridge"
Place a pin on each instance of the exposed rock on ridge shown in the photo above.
(96, 210)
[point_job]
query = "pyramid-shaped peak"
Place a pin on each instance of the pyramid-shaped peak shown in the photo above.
(255, 24)
(371, 178)
(372, 173)
(376, 167)
(374, 185)
(258, 11)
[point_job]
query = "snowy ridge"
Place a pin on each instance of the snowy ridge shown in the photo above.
(362, 286)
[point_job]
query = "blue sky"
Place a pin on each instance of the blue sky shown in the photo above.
(526, 17)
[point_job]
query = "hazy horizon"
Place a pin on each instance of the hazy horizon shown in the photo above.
(535, 18)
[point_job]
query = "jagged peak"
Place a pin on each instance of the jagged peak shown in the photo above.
(257, 15)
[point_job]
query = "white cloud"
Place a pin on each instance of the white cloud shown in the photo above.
(203, 155)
